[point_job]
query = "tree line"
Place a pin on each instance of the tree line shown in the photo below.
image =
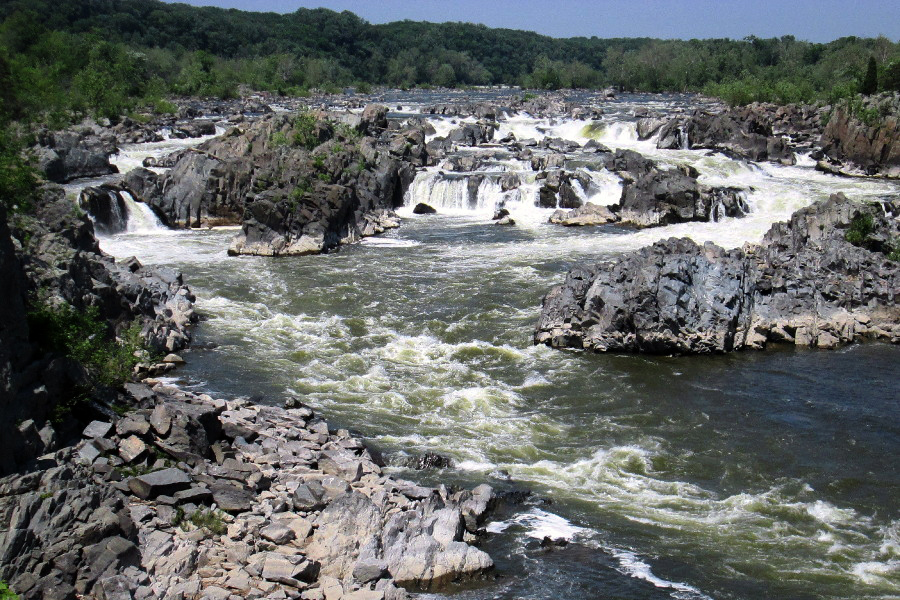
(64, 58)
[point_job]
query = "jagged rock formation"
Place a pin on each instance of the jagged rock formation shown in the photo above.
(199, 497)
(57, 261)
(651, 195)
(866, 138)
(74, 153)
(289, 198)
(804, 284)
(745, 133)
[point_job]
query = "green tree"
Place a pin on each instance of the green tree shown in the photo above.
(890, 81)
(870, 82)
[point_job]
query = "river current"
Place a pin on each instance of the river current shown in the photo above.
(753, 475)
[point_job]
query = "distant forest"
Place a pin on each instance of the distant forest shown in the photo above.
(62, 58)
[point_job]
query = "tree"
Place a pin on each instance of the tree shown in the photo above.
(870, 82)
(890, 81)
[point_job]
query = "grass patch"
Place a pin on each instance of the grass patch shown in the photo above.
(210, 520)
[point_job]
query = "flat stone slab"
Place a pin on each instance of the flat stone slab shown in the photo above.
(133, 424)
(166, 482)
(131, 447)
(97, 429)
(139, 391)
(232, 499)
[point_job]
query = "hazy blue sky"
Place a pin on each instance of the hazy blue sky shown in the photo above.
(814, 20)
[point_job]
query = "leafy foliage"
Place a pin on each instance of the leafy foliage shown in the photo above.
(6, 593)
(861, 227)
(84, 337)
(54, 67)
(18, 178)
(870, 81)
(304, 132)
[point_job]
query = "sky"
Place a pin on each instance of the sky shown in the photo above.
(812, 20)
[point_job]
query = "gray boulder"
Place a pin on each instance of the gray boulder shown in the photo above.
(805, 284)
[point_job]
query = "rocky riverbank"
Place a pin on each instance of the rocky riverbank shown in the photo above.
(827, 277)
(166, 493)
(189, 496)
(52, 265)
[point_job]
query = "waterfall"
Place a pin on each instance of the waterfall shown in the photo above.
(478, 192)
(140, 216)
(605, 188)
(683, 141)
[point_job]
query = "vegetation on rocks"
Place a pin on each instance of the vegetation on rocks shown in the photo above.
(83, 336)
(6, 593)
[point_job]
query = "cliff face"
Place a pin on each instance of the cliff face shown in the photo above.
(50, 257)
(13, 345)
(805, 284)
(868, 137)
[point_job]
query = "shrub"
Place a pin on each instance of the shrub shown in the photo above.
(83, 336)
(18, 178)
(210, 520)
(6, 593)
(861, 227)
(304, 131)
(894, 253)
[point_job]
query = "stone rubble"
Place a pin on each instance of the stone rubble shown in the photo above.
(196, 497)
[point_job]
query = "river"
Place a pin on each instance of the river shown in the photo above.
(753, 475)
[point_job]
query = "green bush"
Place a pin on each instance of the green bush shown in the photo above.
(304, 131)
(210, 520)
(83, 336)
(861, 227)
(6, 593)
(18, 178)
(894, 253)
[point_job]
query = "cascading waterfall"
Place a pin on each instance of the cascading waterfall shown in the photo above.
(469, 192)
(140, 216)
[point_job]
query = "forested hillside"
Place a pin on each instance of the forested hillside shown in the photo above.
(109, 56)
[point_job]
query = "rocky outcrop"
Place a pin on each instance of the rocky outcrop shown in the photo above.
(74, 153)
(865, 136)
(298, 185)
(805, 284)
(271, 504)
(666, 196)
(742, 134)
(58, 263)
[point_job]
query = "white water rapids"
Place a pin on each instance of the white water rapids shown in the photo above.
(760, 475)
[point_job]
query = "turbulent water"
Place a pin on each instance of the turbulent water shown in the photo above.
(754, 475)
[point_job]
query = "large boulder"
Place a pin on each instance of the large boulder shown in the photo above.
(805, 284)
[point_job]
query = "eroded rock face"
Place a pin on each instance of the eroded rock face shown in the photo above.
(871, 146)
(805, 284)
(339, 185)
(74, 153)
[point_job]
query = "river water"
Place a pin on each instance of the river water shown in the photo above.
(754, 475)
